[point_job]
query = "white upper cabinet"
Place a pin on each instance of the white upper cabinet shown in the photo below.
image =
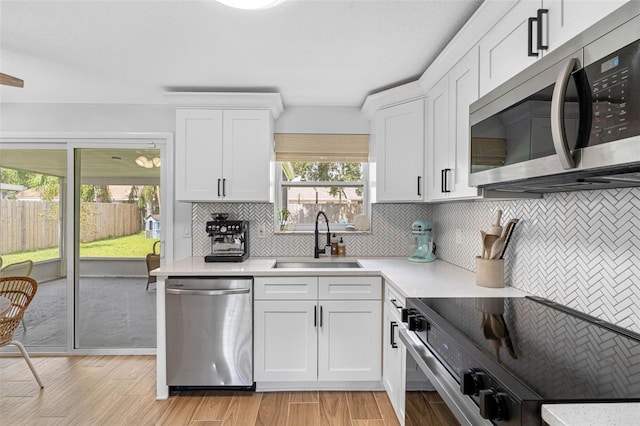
(512, 44)
(503, 50)
(247, 145)
(567, 18)
(198, 154)
(399, 136)
(223, 155)
(437, 158)
(447, 163)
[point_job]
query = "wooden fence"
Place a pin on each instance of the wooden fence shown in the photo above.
(34, 225)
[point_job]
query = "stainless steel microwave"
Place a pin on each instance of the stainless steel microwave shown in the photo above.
(570, 122)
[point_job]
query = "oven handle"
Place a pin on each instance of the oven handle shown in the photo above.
(558, 133)
(462, 406)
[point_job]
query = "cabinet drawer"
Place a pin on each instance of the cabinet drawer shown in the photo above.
(285, 288)
(355, 288)
(393, 299)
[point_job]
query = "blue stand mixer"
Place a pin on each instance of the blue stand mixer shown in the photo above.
(421, 229)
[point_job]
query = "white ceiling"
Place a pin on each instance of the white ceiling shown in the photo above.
(315, 53)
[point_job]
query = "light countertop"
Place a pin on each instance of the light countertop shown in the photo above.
(610, 414)
(434, 279)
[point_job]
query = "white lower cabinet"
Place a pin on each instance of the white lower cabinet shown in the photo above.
(301, 337)
(349, 340)
(394, 353)
(285, 341)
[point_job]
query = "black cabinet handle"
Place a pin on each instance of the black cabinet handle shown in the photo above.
(315, 316)
(393, 337)
(321, 316)
(395, 305)
(419, 179)
(442, 188)
(445, 184)
(224, 187)
(540, 27)
(219, 187)
(530, 37)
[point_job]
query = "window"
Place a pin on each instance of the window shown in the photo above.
(321, 173)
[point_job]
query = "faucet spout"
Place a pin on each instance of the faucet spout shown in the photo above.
(317, 251)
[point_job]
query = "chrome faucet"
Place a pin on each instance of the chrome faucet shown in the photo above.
(317, 251)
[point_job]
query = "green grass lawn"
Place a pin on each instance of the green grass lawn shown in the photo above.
(130, 246)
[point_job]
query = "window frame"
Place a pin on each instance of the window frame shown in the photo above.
(310, 227)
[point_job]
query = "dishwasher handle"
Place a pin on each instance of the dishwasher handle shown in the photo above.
(208, 292)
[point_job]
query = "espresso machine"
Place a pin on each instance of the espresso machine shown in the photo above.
(229, 239)
(421, 231)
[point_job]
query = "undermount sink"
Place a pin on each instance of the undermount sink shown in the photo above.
(317, 264)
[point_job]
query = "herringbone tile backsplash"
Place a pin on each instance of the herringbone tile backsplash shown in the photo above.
(390, 236)
(580, 249)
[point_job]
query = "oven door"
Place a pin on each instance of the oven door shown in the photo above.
(425, 372)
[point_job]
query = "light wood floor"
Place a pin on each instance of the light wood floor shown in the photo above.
(120, 390)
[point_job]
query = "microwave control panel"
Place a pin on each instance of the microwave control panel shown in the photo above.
(615, 95)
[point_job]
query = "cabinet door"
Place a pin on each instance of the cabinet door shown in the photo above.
(285, 341)
(198, 149)
(246, 155)
(503, 50)
(393, 358)
(350, 340)
(568, 18)
(437, 139)
(399, 152)
(463, 90)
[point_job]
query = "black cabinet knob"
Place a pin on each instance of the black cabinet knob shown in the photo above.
(415, 323)
(405, 314)
(493, 405)
(471, 382)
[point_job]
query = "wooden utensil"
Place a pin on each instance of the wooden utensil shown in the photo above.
(483, 235)
(496, 248)
(496, 228)
(488, 243)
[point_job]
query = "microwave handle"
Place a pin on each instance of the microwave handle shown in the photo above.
(558, 133)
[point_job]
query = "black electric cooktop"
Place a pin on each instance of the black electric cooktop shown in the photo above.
(559, 353)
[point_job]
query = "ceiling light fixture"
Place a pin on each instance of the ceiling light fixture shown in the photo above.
(250, 4)
(143, 161)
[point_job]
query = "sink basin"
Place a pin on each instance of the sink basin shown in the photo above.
(312, 264)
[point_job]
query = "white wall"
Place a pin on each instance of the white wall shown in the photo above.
(87, 118)
(346, 120)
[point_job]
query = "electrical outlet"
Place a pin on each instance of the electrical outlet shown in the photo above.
(458, 236)
(186, 232)
(262, 230)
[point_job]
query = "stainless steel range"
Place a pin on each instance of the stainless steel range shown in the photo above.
(500, 359)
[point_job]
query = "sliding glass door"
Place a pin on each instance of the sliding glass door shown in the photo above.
(32, 210)
(119, 220)
(88, 213)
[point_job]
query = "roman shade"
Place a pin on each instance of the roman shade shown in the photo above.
(322, 147)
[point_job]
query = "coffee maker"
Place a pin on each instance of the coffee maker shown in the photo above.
(229, 239)
(421, 230)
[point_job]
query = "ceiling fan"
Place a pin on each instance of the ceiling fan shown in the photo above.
(8, 80)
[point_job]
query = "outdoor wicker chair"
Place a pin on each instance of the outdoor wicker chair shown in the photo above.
(20, 292)
(153, 262)
(18, 269)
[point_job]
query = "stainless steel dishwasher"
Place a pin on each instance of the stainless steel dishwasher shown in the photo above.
(209, 323)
